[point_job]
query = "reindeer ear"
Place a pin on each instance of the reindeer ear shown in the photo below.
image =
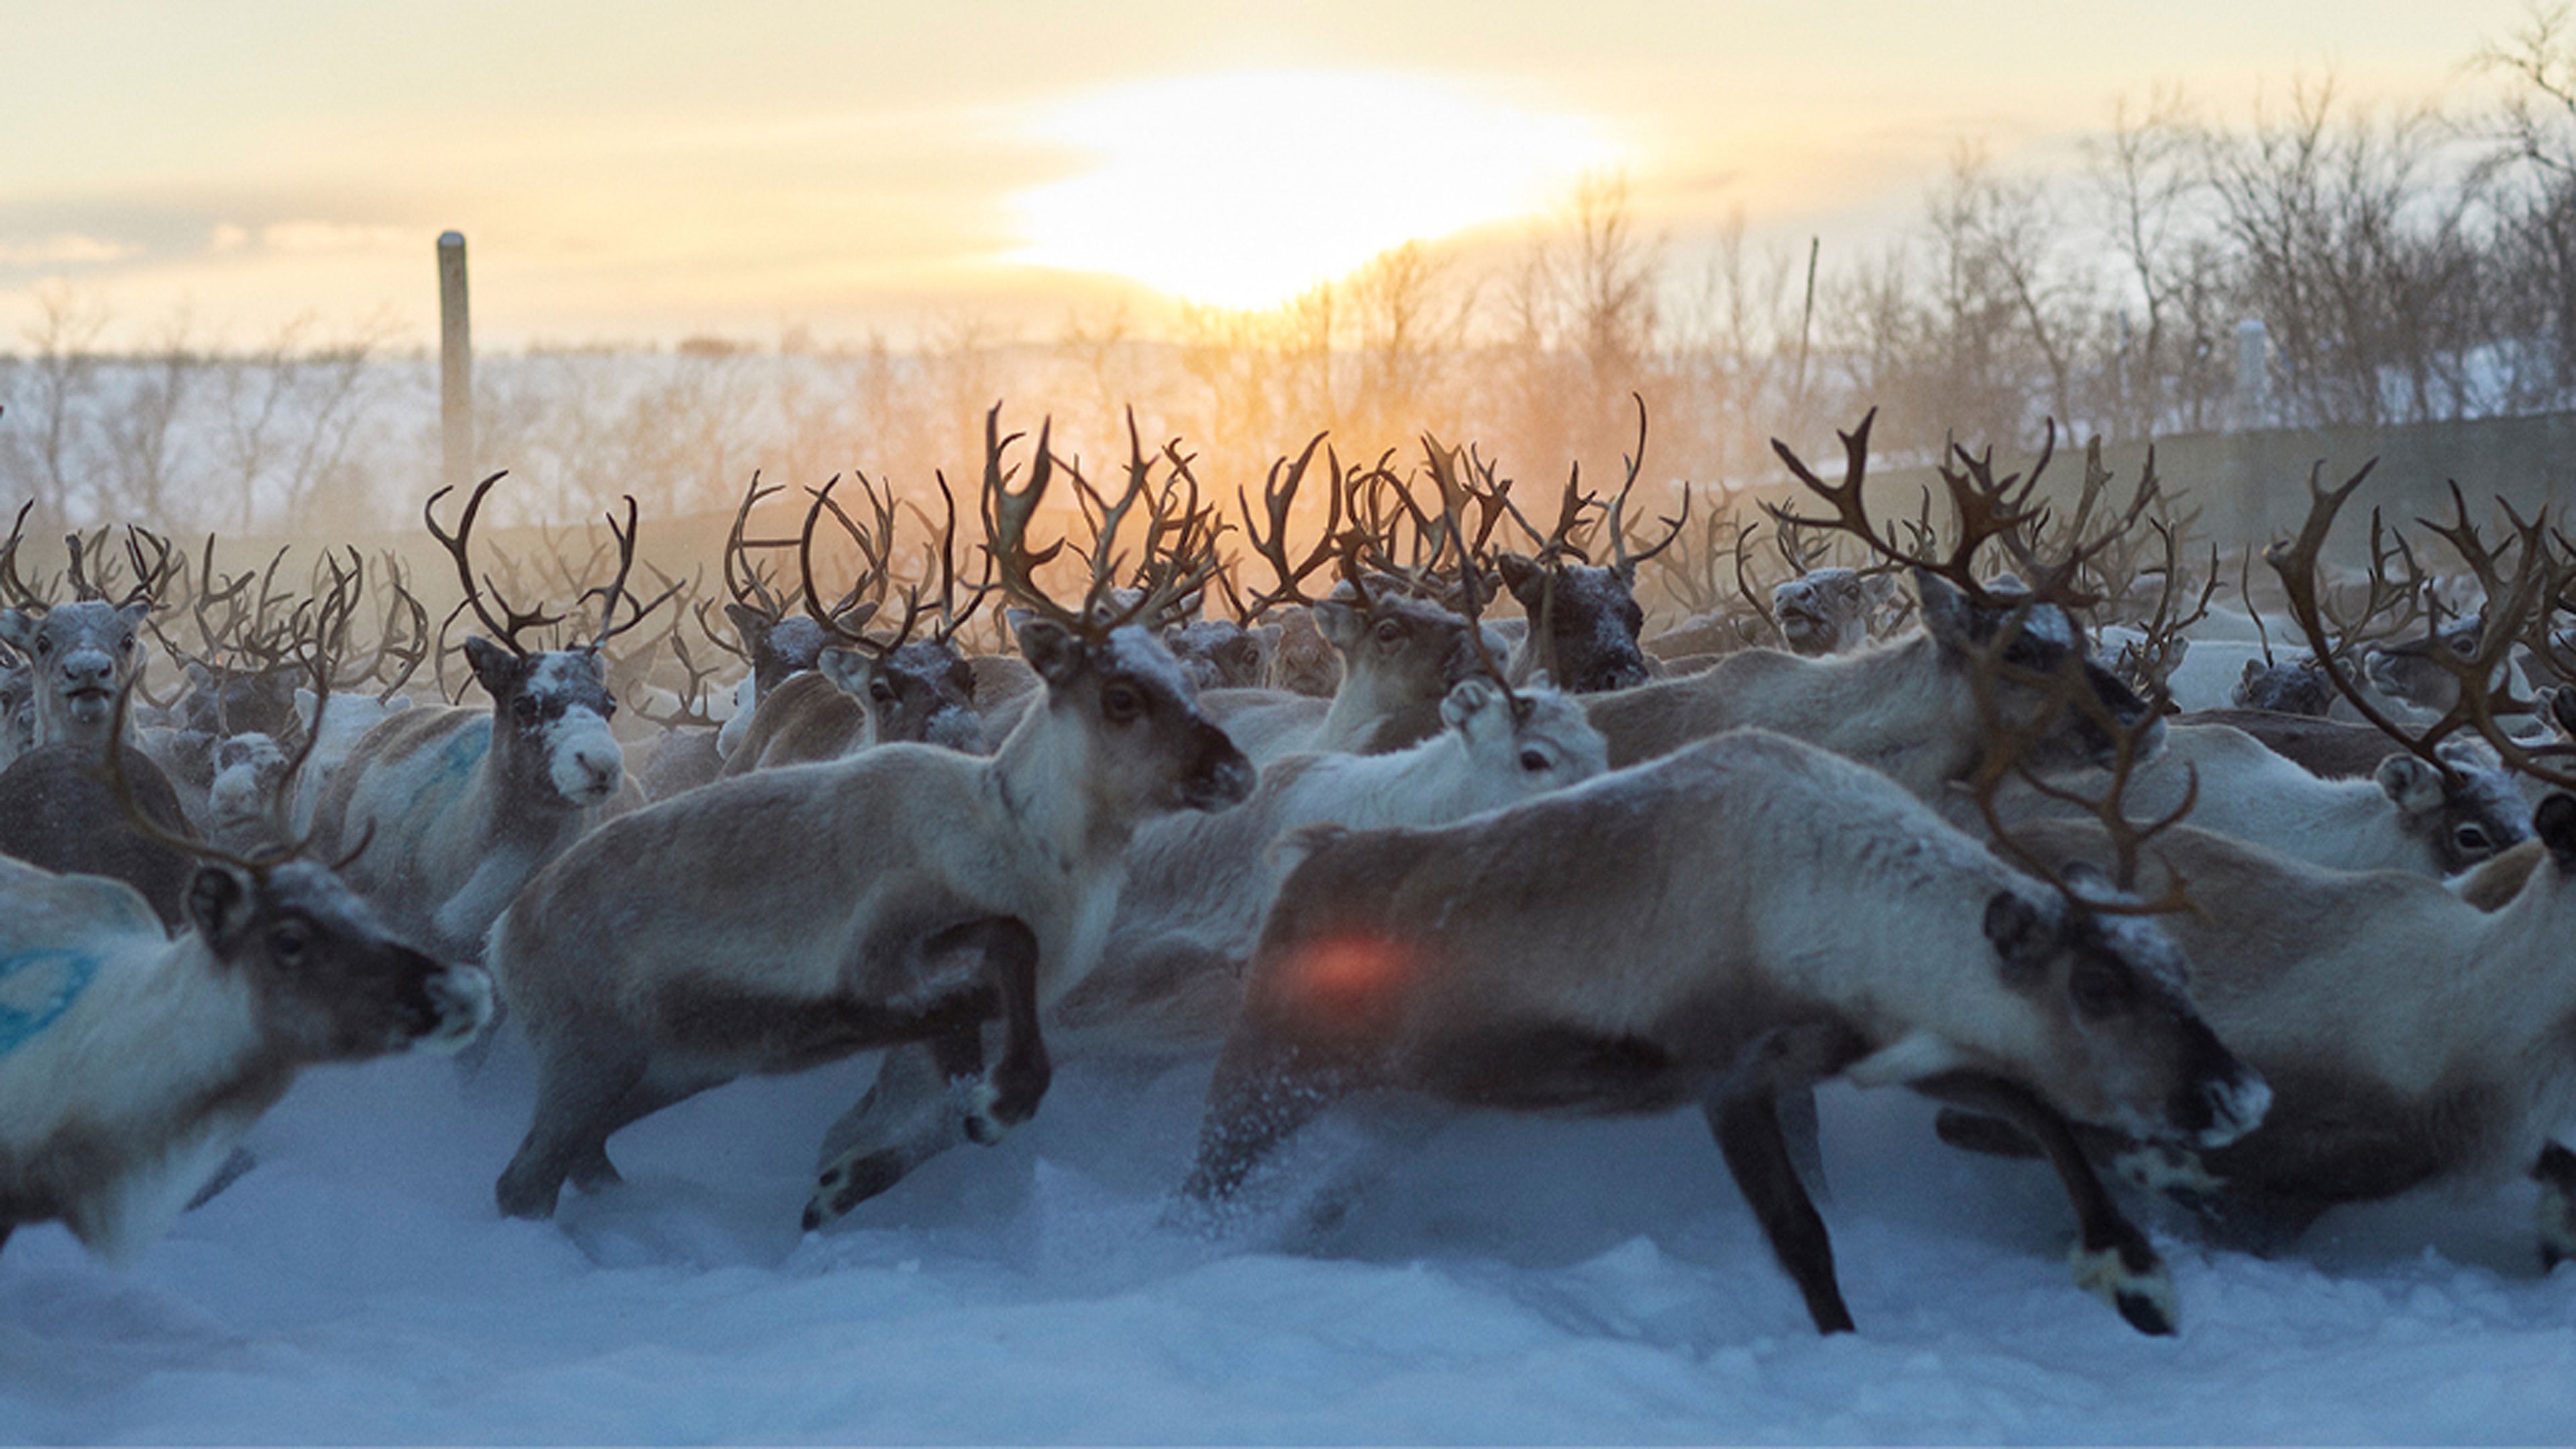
(1947, 615)
(2415, 786)
(219, 904)
(1050, 649)
(1877, 589)
(1520, 575)
(749, 622)
(2023, 936)
(497, 668)
(1466, 699)
(2555, 823)
(1339, 623)
(18, 631)
(849, 670)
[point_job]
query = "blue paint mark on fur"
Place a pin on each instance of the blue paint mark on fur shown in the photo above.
(36, 988)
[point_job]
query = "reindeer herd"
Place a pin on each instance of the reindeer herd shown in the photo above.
(2252, 908)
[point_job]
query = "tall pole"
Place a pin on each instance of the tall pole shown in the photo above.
(455, 366)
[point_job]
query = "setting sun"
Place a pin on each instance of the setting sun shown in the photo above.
(1243, 190)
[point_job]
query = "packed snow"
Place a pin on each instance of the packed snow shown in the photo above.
(1405, 1274)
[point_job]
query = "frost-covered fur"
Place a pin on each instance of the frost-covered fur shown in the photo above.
(131, 1064)
(1830, 611)
(1745, 917)
(459, 807)
(1171, 972)
(787, 917)
(1592, 621)
(2406, 817)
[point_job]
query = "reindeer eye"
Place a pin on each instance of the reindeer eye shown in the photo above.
(44, 646)
(125, 645)
(1389, 631)
(1121, 703)
(2469, 837)
(524, 707)
(287, 943)
(1533, 761)
(2098, 990)
(881, 692)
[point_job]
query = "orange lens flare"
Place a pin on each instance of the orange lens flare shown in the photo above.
(1345, 974)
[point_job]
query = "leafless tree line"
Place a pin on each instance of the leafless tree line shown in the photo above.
(2408, 264)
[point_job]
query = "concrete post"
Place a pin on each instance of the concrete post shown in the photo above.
(455, 366)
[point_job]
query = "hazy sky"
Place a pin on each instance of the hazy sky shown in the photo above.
(637, 169)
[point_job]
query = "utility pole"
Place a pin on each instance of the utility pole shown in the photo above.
(455, 366)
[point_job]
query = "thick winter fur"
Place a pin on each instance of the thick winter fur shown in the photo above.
(784, 918)
(1745, 917)
(1297, 658)
(922, 693)
(2406, 817)
(1217, 653)
(131, 1064)
(1907, 708)
(1171, 973)
(459, 807)
(1400, 657)
(80, 655)
(1589, 643)
(59, 813)
(2412, 1038)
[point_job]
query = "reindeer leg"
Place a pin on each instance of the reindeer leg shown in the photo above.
(1263, 1092)
(907, 1118)
(580, 1085)
(2112, 1259)
(1011, 1090)
(1747, 1127)
(661, 1087)
(2556, 1173)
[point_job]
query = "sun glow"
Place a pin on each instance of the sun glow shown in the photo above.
(1244, 190)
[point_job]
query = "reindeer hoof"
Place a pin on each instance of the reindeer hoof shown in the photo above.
(847, 1184)
(987, 1120)
(2132, 1279)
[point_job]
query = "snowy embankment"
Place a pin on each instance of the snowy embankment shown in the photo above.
(1410, 1277)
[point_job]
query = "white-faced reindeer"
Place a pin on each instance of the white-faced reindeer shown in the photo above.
(131, 1064)
(785, 918)
(1171, 971)
(1741, 919)
(462, 806)
(78, 655)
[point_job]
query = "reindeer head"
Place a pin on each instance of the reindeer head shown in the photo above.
(1396, 645)
(1146, 746)
(1216, 653)
(1296, 655)
(1827, 610)
(79, 655)
(779, 648)
(248, 772)
(922, 692)
(2295, 686)
(332, 982)
(2039, 644)
(2120, 1043)
(2467, 815)
(550, 708)
(1591, 617)
(1536, 739)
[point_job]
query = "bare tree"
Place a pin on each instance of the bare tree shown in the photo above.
(46, 449)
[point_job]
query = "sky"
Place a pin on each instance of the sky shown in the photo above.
(640, 171)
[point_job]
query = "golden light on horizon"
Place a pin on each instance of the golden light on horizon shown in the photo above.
(1243, 190)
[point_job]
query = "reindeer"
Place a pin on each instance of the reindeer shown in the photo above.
(132, 1064)
(464, 805)
(1747, 916)
(1908, 708)
(1828, 610)
(2416, 1036)
(680, 946)
(82, 653)
(1170, 974)
(2436, 818)
(867, 690)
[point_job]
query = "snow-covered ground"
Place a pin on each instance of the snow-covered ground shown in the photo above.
(1490, 1280)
